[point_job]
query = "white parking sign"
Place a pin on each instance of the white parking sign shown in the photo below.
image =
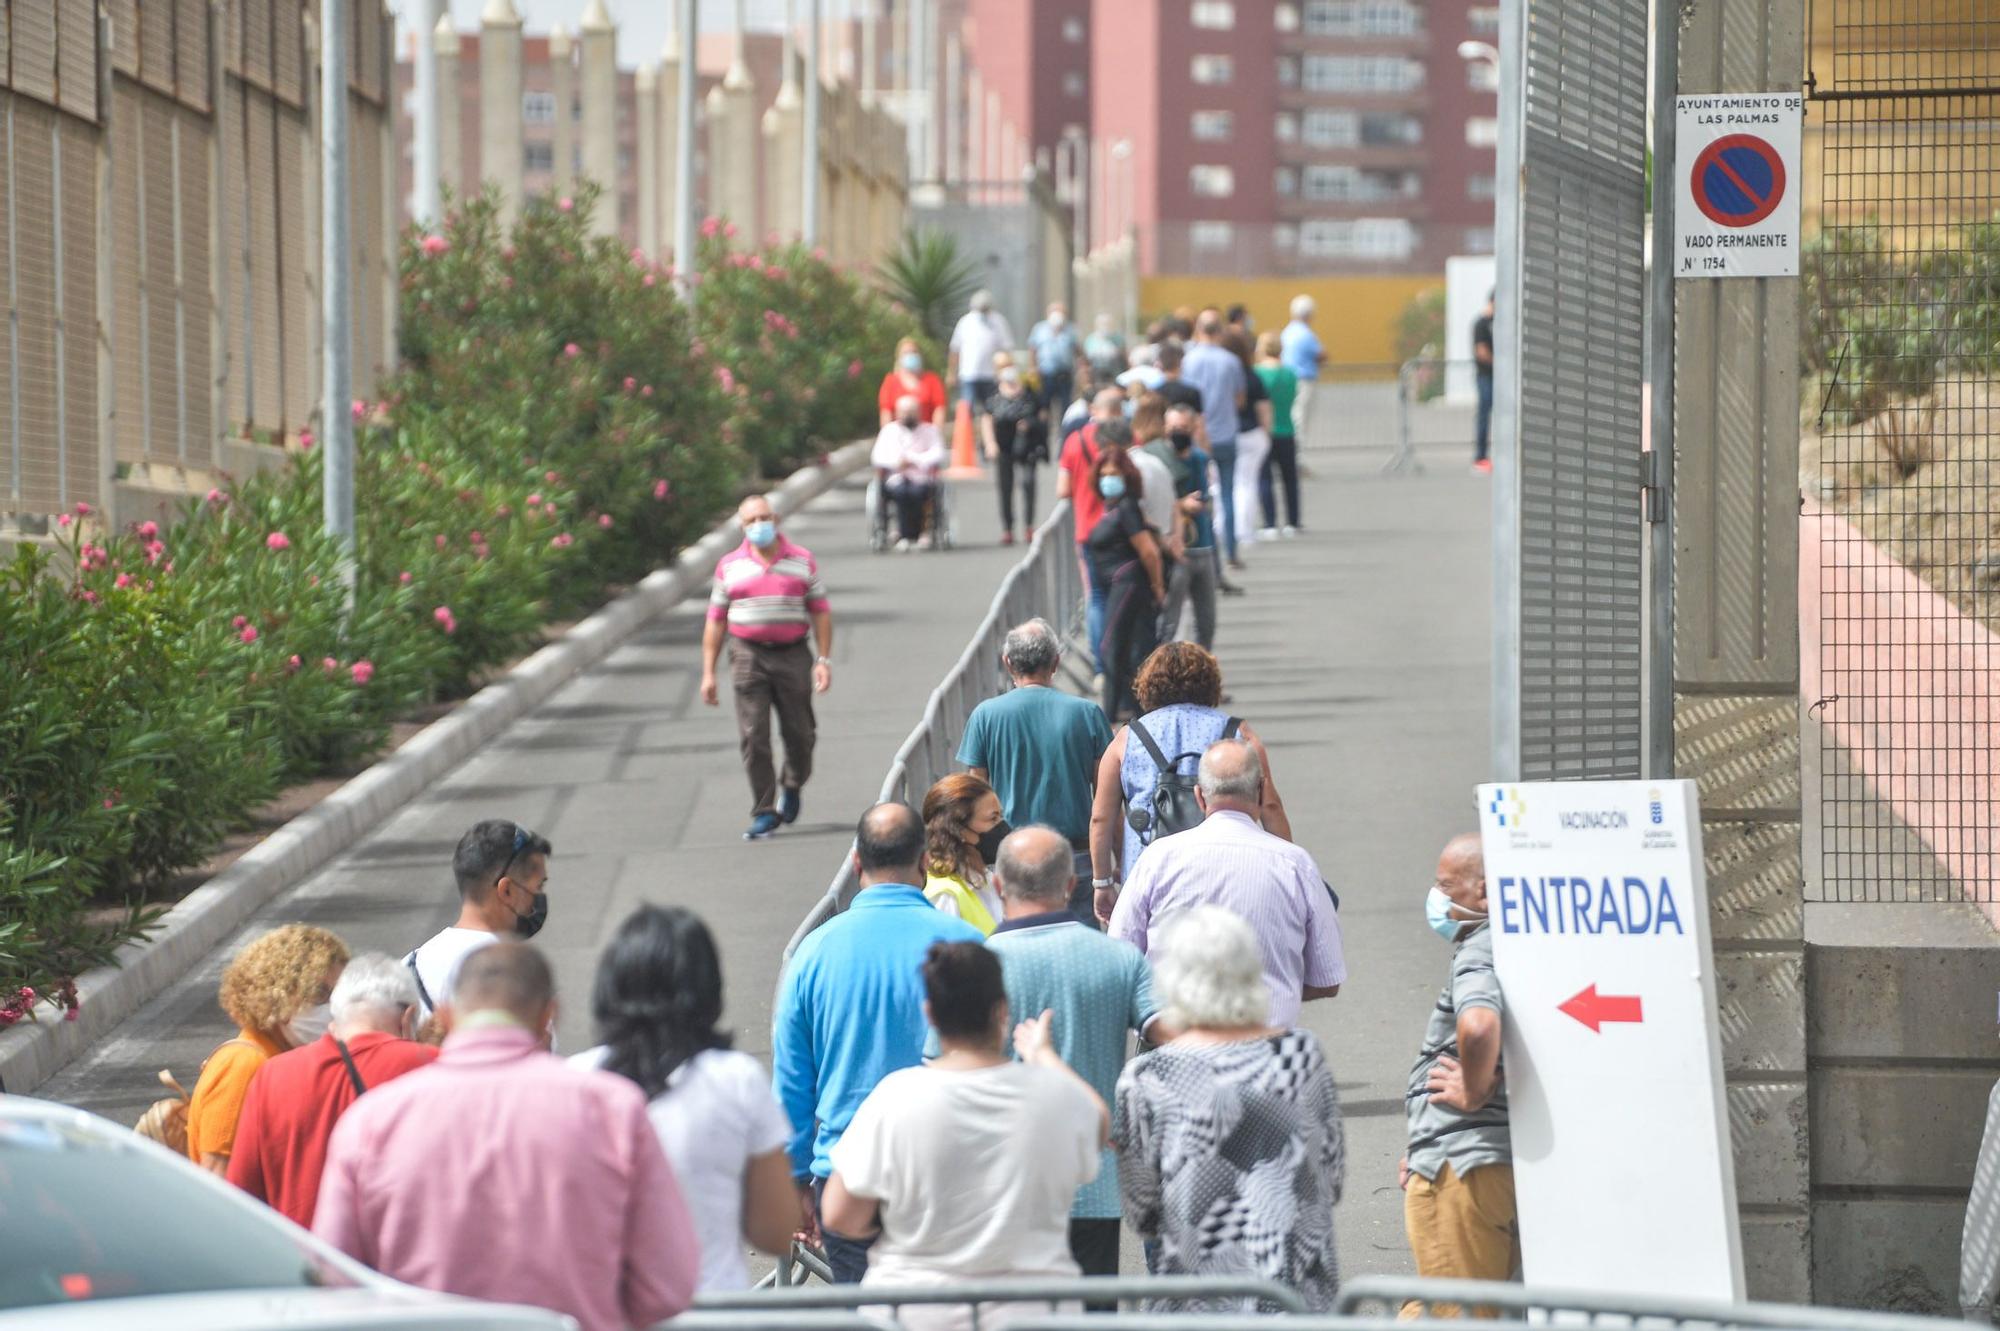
(1736, 185)
(1599, 913)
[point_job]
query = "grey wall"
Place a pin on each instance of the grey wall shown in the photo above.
(1007, 242)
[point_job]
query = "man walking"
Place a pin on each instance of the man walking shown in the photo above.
(297, 1097)
(768, 599)
(1458, 1177)
(1482, 368)
(1100, 990)
(1228, 860)
(851, 1006)
(1038, 747)
(981, 334)
(1219, 374)
(502, 871)
(1300, 350)
(1053, 341)
(505, 1173)
(1076, 481)
(1194, 578)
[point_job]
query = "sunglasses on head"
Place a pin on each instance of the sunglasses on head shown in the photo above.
(522, 836)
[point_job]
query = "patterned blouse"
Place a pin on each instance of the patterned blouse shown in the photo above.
(1231, 1156)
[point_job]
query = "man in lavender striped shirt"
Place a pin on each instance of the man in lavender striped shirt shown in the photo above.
(1230, 861)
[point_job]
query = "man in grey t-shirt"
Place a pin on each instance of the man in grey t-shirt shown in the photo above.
(1458, 1177)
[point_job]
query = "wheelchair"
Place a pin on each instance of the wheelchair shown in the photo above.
(940, 521)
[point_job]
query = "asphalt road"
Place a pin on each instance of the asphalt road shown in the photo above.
(1360, 654)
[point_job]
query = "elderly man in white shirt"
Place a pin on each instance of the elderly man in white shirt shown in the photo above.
(907, 457)
(982, 333)
(1228, 860)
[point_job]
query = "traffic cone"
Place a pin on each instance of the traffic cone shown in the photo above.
(964, 448)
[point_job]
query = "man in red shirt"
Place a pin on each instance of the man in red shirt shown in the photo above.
(297, 1097)
(1075, 483)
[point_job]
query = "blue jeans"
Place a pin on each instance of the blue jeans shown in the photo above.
(1483, 425)
(1093, 619)
(845, 1257)
(1225, 466)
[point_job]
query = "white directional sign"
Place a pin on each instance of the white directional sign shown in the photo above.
(1736, 185)
(1613, 1062)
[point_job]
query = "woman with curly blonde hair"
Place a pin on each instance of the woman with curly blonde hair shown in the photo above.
(276, 991)
(963, 829)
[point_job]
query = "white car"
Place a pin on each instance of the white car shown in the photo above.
(102, 1230)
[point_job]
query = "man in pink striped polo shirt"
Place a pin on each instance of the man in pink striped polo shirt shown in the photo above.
(768, 599)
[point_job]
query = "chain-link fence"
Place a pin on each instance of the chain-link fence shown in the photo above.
(1901, 468)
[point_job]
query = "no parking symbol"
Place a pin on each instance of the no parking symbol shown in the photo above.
(1736, 187)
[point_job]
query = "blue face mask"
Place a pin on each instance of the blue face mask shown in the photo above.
(1111, 487)
(912, 362)
(1437, 910)
(761, 532)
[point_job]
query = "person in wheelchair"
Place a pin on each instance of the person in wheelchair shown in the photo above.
(907, 458)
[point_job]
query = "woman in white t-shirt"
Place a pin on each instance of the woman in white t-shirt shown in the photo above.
(968, 1165)
(656, 1003)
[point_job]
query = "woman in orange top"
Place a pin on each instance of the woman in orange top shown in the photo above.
(276, 990)
(910, 378)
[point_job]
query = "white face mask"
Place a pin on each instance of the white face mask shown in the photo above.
(309, 1025)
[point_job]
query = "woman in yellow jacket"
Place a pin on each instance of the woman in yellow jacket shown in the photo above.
(964, 827)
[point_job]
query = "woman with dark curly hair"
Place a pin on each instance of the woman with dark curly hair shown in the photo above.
(658, 1008)
(963, 829)
(276, 990)
(1180, 700)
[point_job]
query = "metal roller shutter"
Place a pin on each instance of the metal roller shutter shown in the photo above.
(124, 35)
(197, 161)
(162, 339)
(267, 329)
(31, 152)
(76, 58)
(10, 399)
(34, 53)
(77, 145)
(236, 230)
(301, 257)
(156, 44)
(128, 225)
(288, 51)
(191, 73)
(256, 42)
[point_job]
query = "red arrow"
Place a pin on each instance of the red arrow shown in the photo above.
(1594, 1009)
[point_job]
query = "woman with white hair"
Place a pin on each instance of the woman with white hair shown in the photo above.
(1230, 1157)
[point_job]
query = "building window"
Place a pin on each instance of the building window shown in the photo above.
(538, 108)
(1073, 84)
(1288, 71)
(1479, 186)
(1352, 184)
(538, 157)
(1363, 73)
(1482, 76)
(1212, 182)
(1073, 31)
(1211, 235)
(1286, 127)
(1332, 129)
(1285, 235)
(1286, 181)
(1329, 128)
(1363, 18)
(1286, 17)
(1482, 132)
(1210, 126)
(1211, 69)
(1388, 130)
(1485, 20)
(1479, 240)
(1364, 238)
(1215, 15)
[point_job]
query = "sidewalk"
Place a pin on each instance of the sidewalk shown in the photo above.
(639, 787)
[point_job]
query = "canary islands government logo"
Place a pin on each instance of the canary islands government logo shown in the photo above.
(1507, 807)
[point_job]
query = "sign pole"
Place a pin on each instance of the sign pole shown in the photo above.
(1659, 683)
(337, 345)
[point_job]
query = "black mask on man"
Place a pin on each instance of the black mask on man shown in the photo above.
(989, 842)
(1182, 441)
(538, 915)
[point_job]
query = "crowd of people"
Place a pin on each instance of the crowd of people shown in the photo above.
(1065, 1002)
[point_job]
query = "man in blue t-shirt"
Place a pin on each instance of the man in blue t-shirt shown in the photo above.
(1038, 748)
(1301, 352)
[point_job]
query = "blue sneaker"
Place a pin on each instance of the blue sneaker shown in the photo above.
(788, 805)
(761, 826)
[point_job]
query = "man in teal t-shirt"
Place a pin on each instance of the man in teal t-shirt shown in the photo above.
(1038, 747)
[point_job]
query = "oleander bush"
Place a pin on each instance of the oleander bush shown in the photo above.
(559, 425)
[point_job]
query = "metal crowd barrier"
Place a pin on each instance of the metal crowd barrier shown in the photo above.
(1388, 1295)
(1413, 378)
(702, 1319)
(780, 1306)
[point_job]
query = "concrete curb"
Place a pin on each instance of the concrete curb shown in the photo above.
(32, 1052)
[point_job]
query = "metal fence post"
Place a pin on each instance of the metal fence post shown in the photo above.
(337, 291)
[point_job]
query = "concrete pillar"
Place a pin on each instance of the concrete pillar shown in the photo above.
(451, 148)
(733, 132)
(784, 147)
(669, 132)
(647, 86)
(562, 85)
(1736, 669)
(955, 105)
(600, 115)
(500, 103)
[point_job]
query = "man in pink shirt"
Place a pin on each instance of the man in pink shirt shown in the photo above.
(767, 601)
(504, 1173)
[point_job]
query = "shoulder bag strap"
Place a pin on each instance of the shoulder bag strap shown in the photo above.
(353, 1073)
(418, 975)
(1152, 749)
(1229, 728)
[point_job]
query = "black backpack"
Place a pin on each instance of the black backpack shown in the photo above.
(1169, 807)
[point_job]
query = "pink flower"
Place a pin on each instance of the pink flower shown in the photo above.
(535, 500)
(328, 664)
(726, 379)
(443, 616)
(729, 230)
(360, 409)
(549, 509)
(306, 440)
(90, 597)
(292, 664)
(775, 273)
(122, 580)
(566, 204)
(660, 489)
(572, 350)
(249, 633)
(154, 549)
(435, 245)
(630, 383)
(82, 509)
(647, 279)
(550, 477)
(216, 497)
(404, 577)
(148, 530)
(361, 671)
(604, 521)
(646, 390)
(561, 540)
(819, 253)
(854, 369)
(238, 622)
(63, 519)
(475, 537)
(441, 541)
(110, 803)
(277, 540)
(709, 226)
(639, 257)
(70, 1013)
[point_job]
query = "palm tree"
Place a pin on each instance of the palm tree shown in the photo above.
(929, 277)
